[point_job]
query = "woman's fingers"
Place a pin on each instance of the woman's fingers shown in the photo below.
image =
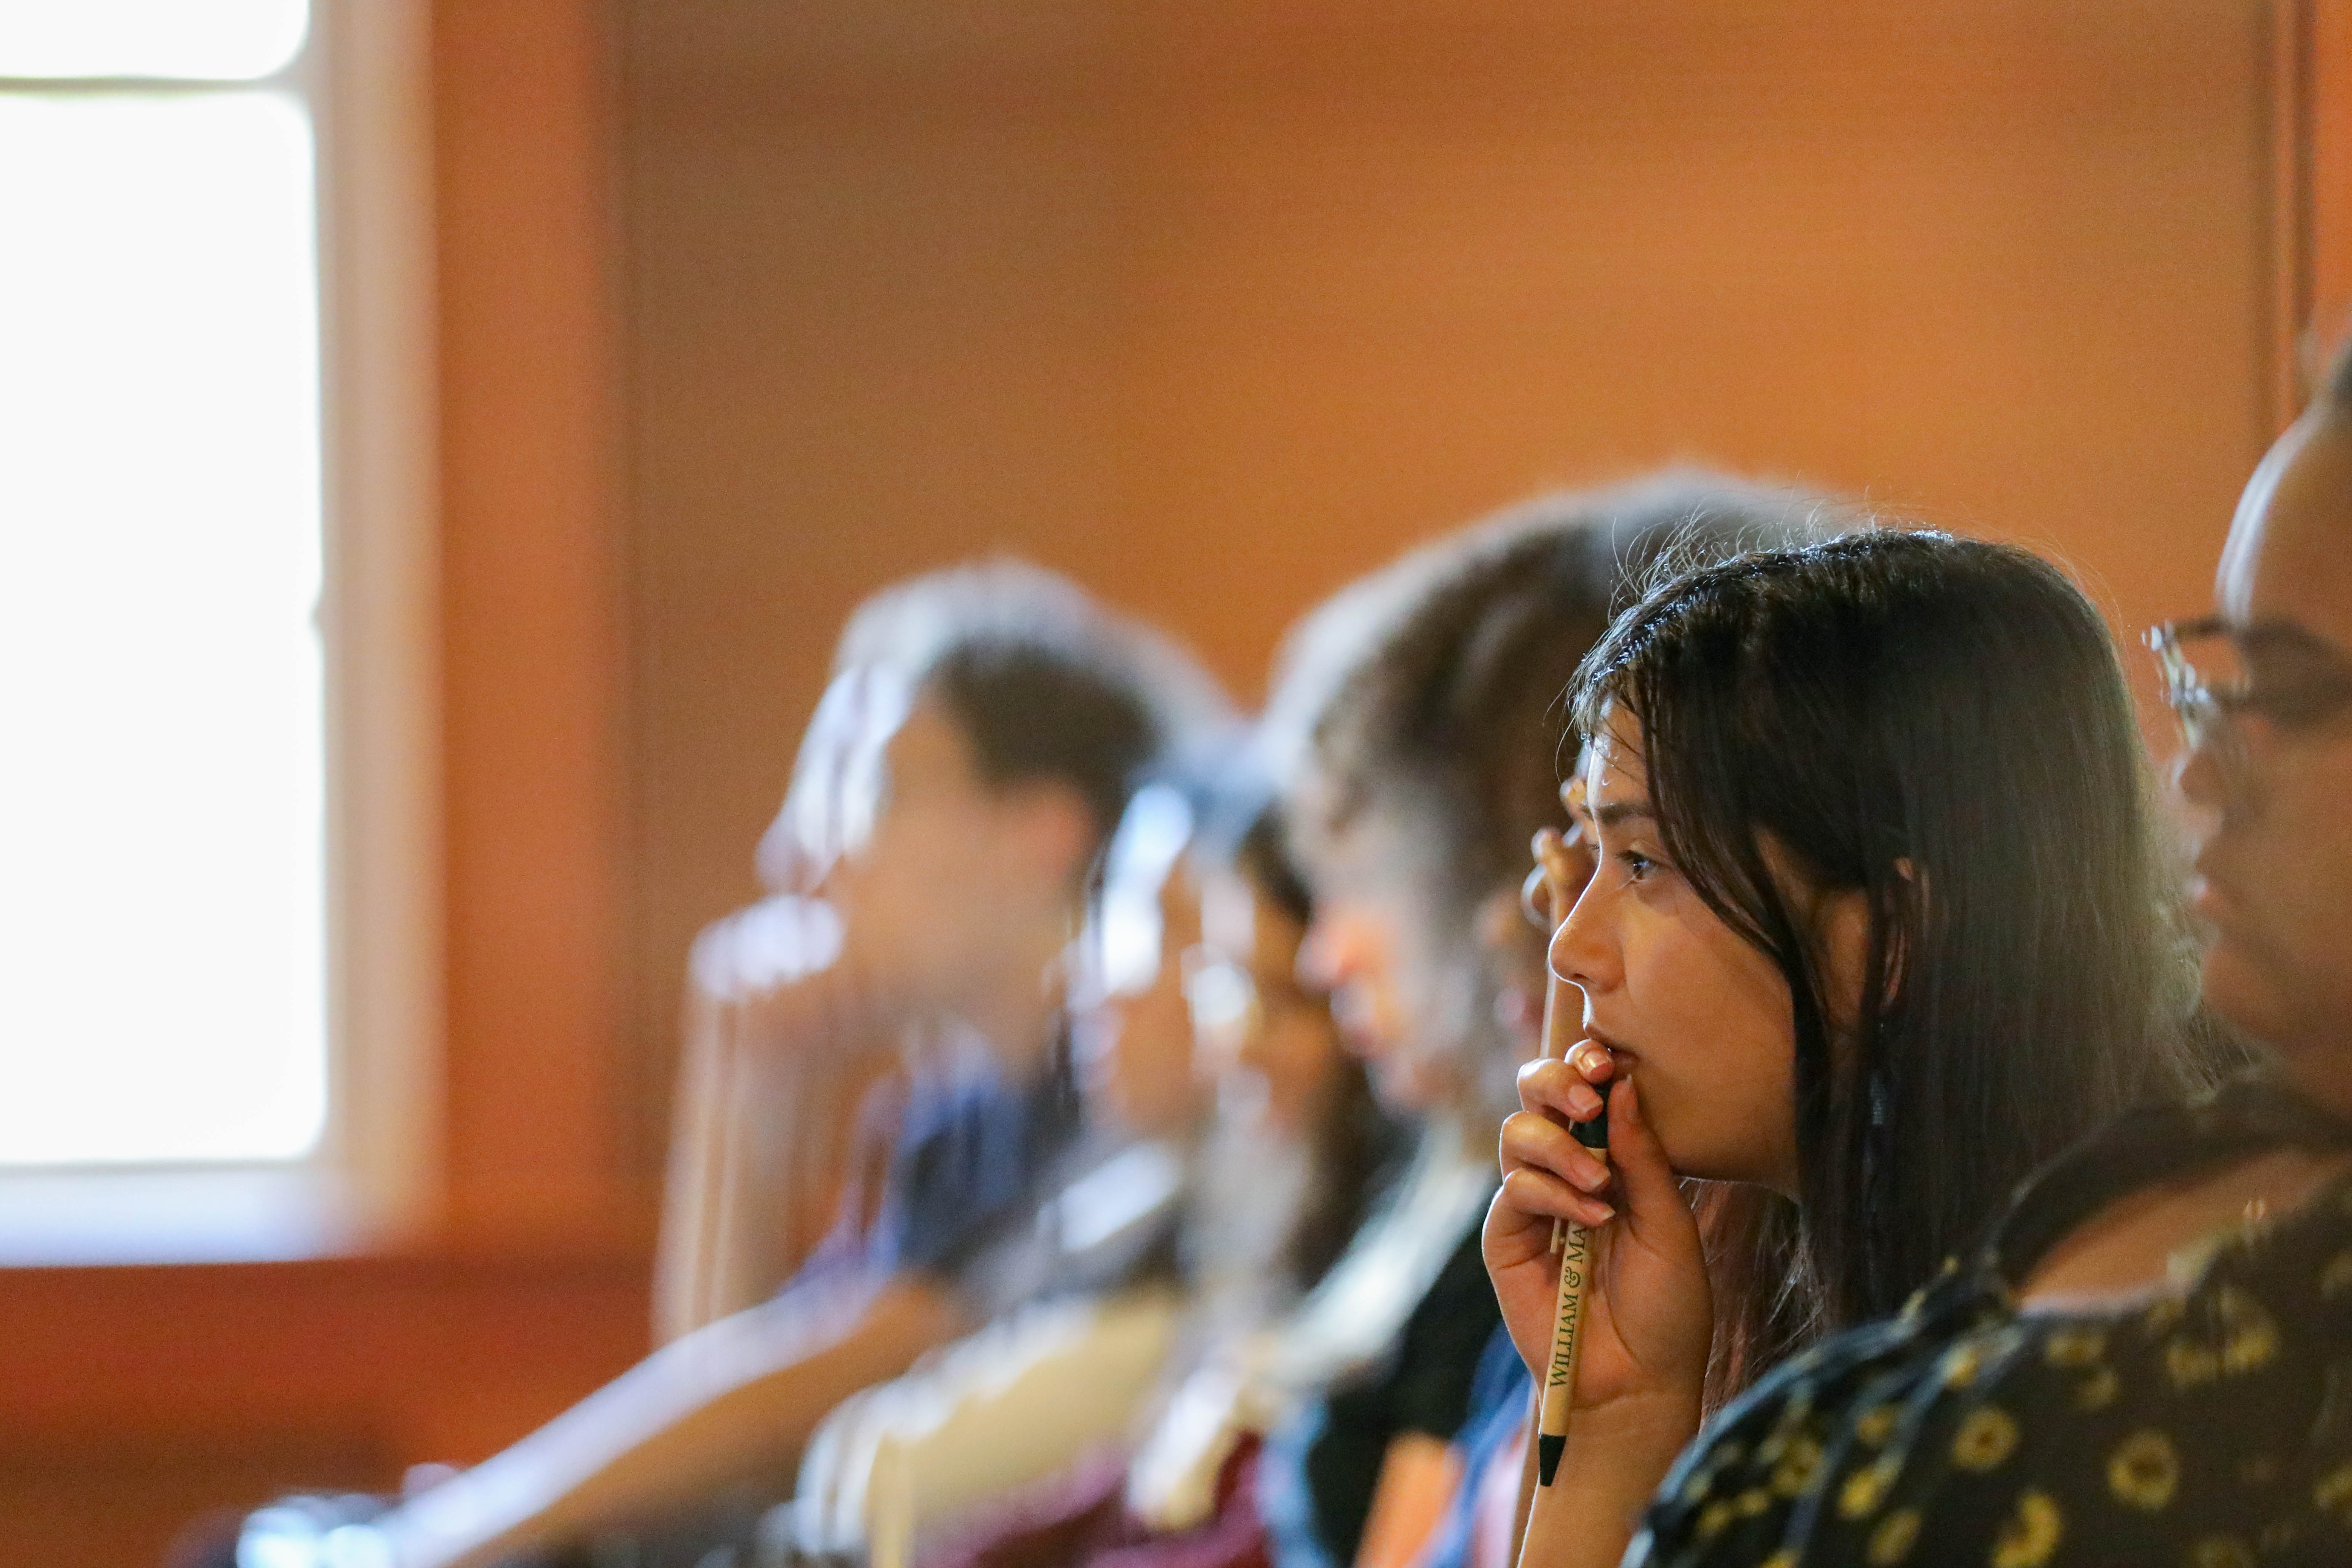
(1550, 1175)
(1532, 1139)
(1544, 1197)
(1644, 1178)
(1565, 1088)
(1559, 1089)
(1636, 1170)
(1592, 1061)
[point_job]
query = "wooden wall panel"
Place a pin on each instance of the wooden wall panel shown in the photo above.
(2328, 167)
(1216, 305)
(134, 1400)
(538, 1101)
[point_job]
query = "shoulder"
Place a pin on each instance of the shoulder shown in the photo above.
(2141, 1240)
(2220, 1412)
(1434, 1387)
(1464, 1276)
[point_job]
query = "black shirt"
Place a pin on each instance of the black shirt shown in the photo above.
(1321, 1468)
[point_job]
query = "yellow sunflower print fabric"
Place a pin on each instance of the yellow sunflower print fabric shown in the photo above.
(2210, 1429)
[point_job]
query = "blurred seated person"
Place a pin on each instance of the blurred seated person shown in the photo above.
(1283, 1172)
(1426, 774)
(2150, 1358)
(792, 1044)
(1213, 1124)
(993, 724)
(812, 1015)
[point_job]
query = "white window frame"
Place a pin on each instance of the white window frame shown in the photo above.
(375, 1180)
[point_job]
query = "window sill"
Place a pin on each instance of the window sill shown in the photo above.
(184, 1215)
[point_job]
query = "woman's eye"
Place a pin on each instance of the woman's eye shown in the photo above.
(1637, 864)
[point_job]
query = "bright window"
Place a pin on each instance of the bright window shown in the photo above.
(188, 40)
(163, 990)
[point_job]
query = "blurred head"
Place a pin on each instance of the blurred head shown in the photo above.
(1283, 1078)
(1403, 993)
(1259, 1027)
(1879, 920)
(2266, 688)
(1434, 750)
(975, 748)
(1191, 964)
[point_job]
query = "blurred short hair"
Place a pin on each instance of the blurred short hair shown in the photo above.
(1045, 681)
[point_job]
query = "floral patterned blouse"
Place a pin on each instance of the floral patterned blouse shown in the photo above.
(2210, 1428)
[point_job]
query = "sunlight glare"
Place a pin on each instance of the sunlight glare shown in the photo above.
(162, 904)
(190, 40)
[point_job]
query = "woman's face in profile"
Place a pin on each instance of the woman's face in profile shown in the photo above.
(1270, 1026)
(1141, 1068)
(1701, 1017)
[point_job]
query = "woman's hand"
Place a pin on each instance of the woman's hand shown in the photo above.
(1649, 1312)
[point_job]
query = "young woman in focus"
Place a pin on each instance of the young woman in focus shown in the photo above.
(1878, 926)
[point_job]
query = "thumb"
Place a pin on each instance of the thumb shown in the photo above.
(1648, 1182)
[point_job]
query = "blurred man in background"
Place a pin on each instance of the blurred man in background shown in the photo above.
(877, 1077)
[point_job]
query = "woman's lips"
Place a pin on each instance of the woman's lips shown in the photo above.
(1610, 1043)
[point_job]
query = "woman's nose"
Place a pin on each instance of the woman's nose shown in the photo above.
(1577, 954)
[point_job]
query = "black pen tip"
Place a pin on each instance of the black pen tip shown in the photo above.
(1549, 1449)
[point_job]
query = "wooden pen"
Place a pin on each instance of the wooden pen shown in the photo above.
(1571, 1241)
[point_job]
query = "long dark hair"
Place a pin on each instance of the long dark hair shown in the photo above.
(1940, 724)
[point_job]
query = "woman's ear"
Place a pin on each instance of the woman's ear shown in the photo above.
(1842, 922)
(1899, 924)
(1842, 926)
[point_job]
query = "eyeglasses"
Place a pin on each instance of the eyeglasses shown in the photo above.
(1231, 1008)
(2214, 672)
(1223, 998)
(1535, 891)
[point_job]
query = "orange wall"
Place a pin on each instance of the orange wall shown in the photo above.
(1214, 304)
(2327, 196)
(750, 308)
(530, 596)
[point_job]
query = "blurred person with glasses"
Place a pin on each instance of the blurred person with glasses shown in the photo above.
(2262, 690)
(1197, 939)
